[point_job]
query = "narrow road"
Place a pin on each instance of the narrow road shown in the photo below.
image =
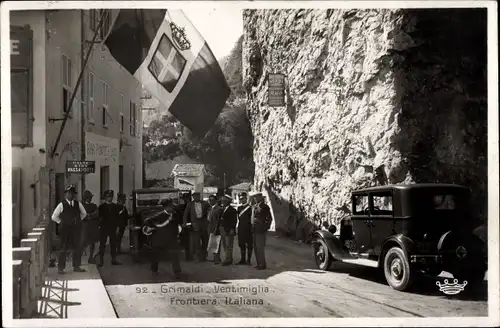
(290, 287)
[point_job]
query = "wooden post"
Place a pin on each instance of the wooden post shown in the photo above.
(38, 259)
(27, 284)
(34, 244)
(16, 288)
(44, 248)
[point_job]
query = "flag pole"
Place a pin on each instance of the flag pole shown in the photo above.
(73, 94)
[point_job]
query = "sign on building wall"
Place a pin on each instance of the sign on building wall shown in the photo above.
(21, 72)
(276, 90)
(80, 166)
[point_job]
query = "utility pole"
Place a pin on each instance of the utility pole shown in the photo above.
(224, 183)
(82, 95)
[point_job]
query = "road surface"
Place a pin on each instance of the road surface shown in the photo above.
(290, 287)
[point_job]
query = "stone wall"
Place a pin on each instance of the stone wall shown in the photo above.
(372, 97)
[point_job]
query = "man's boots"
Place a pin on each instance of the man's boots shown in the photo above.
(249, 256)
(243, 258)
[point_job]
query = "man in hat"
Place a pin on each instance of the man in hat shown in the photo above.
(227, 228)
(162, 230)
(245, 238)
(261, 222)
(108, 212)
(213, 221)
(69, 215)
(196, 214)
(123, 218)
(91, 224)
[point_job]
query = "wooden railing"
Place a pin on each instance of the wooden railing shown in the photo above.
(29, 267)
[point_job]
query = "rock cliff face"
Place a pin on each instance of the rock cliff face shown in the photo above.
(373, 97)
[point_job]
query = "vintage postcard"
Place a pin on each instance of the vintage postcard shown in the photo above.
(256, 164)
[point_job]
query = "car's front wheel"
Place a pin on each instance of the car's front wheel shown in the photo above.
(397, 269)
(322, 255)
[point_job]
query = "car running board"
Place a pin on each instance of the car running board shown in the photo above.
(363, 262)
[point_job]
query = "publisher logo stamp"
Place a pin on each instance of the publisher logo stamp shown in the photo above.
(451, 288)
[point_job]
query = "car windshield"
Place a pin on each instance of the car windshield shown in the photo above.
(156, 199)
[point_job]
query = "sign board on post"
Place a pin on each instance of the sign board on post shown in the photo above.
(276, 90)
(80, 167)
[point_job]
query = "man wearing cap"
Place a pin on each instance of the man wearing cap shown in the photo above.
(245, 238)
(69, 215)
(91, 224)
(261, 222)
(108, 212)
(123, 218)
(227, 228)
(213, 221)
(196, 214)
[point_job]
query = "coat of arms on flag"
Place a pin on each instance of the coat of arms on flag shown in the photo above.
(167, 64)
(173, 62)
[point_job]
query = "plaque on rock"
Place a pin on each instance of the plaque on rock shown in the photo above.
(276, 90)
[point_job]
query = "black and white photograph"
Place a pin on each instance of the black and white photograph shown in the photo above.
(260, 163)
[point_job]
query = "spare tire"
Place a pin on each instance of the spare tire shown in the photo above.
(463, 256)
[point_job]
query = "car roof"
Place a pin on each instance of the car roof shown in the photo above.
(401, 187)
(154, 190)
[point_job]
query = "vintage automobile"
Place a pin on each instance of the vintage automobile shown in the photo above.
(407, 231)
(146, 202)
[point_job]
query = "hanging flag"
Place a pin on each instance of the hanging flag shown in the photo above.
(165, 52)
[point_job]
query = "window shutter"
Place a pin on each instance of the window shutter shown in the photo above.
(20, 113)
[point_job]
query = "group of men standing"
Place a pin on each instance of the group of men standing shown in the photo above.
(217, 219)
(86, 224)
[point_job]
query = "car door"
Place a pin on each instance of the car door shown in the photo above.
(381, 220)
(360, 224)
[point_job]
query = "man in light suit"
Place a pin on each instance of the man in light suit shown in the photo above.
(196, 213)
(69, 215)
(213, 221)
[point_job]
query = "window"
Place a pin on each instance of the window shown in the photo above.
(106, 25)
(93, 18)
(132, 119)
(120, 178)
(105, 108)
(137, 120)
(122, 119)
(66, 82)
(21, 108)
(104, 179)
(91, 95)
(444, 202)
(382, 205)
(360, 204)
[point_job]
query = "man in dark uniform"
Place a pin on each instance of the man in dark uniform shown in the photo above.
(123, 218)
(91, 224)
(196, 213)
(185, 236)
(69, 215)
(261, 222)
(162, 230)
(108, 212)
(227, 228)
(245, 238)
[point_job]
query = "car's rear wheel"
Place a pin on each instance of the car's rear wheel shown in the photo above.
(322, 255)
(397, 269)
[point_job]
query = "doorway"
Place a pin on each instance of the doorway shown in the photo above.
(104, 179)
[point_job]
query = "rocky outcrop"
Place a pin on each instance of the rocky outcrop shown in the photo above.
(372, 97)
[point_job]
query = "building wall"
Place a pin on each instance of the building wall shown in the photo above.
(58, 33)
(30, 159)
(63, 39)
(122, 89)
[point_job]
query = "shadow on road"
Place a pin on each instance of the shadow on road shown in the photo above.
(283, 256)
